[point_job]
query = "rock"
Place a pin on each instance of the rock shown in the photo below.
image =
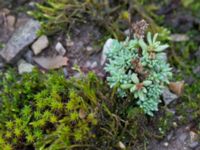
(172, 111)
(179, 37)
(197, 54)
(77, 75)
(121, 145)
(60, 49)
(39, 45)
(29, 56)
(24, 67)
(65, 72)
(69, 42)
(174, 124)
(93, 65)
(194, 145)
(22, 37)
(89, 48)
(127, 32)
(197, 71)
(170, 135)
(166, 144)
(168, 97)
(106, 48)
(51, 62)
(2, 65)
(177, 87)
(90, 64)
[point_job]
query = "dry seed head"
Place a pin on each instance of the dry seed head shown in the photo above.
(139, 28)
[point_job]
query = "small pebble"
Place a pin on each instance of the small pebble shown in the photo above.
(29, 56)
(60, 48)
(89, 48)
(93, 65)
(166, 144)
(174, 124)
(121, 145)
(127, 32)
(65, 72)
(106, 48)
(69, 43)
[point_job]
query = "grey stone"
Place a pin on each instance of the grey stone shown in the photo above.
(21, 38)
(197, 54)
(168, 97)
(91, 64)
(106, 48)
(60, 48)
(24, 67)
(197, 70)
(193, 144)
(65, 72)
(29, 56)
(127, 32)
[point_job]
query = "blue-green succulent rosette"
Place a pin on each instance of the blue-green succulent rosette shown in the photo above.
(140, 68)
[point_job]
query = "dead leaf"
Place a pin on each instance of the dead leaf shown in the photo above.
(51, 62)
(82, 114)
(177, 87)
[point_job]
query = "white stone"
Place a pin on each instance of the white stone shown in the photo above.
(168, 97)
(127, 32)
(40, 44)
(24, 67)
(89, 48)
(93, 65)
(121, 145)
(174, 124)
(106, 48)
(60, 49)
(69, 42)
(166, 144)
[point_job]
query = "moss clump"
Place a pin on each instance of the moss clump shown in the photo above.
(47, 111)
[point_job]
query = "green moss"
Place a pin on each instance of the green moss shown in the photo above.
(40, 108)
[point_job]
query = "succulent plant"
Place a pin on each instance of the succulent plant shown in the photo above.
(139, 68)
